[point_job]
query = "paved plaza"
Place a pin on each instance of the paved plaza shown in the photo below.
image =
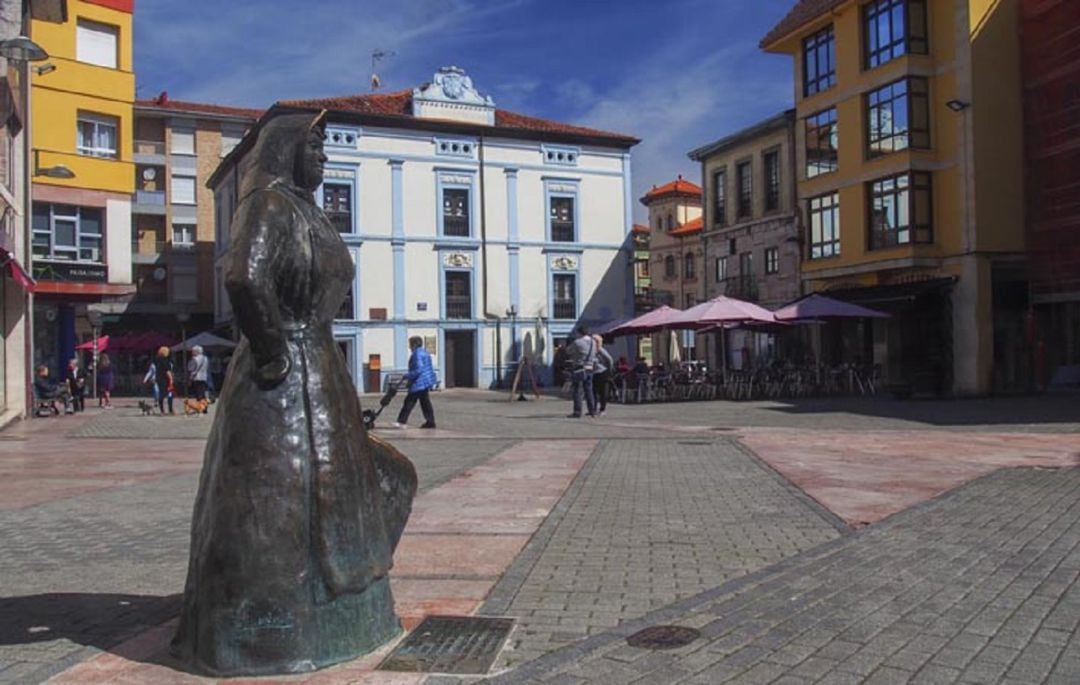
(822, 541)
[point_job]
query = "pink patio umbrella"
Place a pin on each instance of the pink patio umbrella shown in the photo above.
(649, 322)
(815, 306)
(723, 311)
(102, 344)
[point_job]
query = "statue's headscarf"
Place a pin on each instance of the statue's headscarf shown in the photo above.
(273, 159)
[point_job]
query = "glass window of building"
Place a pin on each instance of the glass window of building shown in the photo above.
(900, 210)
(688, 265)
(824, 213)
(564, 291)
(337, 203)
(898, 117)
(744, 180)
(67, 232)
(719, 197)
(772, 260)
(455, 202)
(96, 135)
(893, 28)
(458, 295)
(721, 269)
(96, 43)
(183, 235)
(819, 61)
(771, 162)
(669, 267)
(821, 143)
(562, 219)
(182, 190)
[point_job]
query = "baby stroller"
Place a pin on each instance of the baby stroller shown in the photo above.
(391, 391)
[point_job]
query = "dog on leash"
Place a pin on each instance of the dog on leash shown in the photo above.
(147, 408)
(194, 407)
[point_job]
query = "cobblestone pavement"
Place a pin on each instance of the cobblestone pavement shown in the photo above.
(979, 586)
(648, 523)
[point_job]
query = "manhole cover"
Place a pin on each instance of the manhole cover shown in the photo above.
(450, 644)
(663, 637)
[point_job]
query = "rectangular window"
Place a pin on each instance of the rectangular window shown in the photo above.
(721, 269)
(66, 232)
(892, 28)
(564, 290)
(772, 260)
(458, 295)
(182, 190)
(185, 286)
(900, 210)
(688, 265)
(819, 62)
(824, 212)
(898, 117)
(455, 203)
(183, 235)
(771, 161)
(96, 43)
(821, 143)
(744, 179)
(562, 219)
(182, 140)
(231, 135)
(96, 135)
(670, 270)
(720, 197)
(337, 203)
(746, 264)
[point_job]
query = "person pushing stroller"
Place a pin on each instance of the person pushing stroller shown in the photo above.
(421, 379)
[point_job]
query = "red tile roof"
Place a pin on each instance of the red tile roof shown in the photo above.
(641, 228)
(163, 102)
(803, 12)
(399, 104)
(678, 187)
(689, 228)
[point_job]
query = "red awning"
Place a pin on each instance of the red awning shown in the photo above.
(82, 288)
(17, 272)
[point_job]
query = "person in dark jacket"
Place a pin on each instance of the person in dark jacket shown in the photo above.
(421, 380)
(76, 382)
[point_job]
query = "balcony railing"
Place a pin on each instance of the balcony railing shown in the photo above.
(741, 288)
(565, 309)
(150, 197)
(562, 231)
(149, 147)
(458, 307)
(147, 247)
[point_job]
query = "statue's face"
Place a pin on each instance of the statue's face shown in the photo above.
(309, 172)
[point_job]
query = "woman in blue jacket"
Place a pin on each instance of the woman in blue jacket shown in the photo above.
(421, 379)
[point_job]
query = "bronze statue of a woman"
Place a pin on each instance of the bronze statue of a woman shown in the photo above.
(299, 509)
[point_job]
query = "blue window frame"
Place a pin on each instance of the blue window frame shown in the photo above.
(456, 203)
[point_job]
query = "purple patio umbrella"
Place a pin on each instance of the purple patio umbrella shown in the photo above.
(649, 322)
(815, 306)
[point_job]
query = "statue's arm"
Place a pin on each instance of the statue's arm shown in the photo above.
(258, 235)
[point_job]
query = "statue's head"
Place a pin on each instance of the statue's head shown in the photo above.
(288, 151)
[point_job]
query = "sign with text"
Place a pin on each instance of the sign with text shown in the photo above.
(62, 271)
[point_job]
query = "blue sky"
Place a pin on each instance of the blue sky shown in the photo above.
(675, 73)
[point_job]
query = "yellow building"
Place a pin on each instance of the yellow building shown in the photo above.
(909, 162)
(84, 177)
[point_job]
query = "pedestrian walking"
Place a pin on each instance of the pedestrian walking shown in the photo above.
(163, 379)
(581, 359)
(421, 379)
(602, 375)
(105, 380)
(76, 382)
(198, 369)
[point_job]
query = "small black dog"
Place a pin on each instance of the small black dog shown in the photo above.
(147, 408)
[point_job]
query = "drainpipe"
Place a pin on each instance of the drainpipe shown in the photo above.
(484, 268)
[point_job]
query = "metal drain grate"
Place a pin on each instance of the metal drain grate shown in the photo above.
(450, 644)
(663, 637)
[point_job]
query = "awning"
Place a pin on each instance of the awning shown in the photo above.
(17, 272)
(82, 288)
(893, 292)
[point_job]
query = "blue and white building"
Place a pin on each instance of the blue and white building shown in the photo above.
(488, 233)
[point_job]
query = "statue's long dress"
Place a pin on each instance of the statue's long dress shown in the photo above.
(299, 509)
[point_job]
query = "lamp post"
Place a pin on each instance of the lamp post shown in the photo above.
(183, 318)
(21, 50)
(94, 317)
(512, 312)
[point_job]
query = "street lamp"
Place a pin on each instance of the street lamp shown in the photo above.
(183, 318)
(22, 51)
(55, 171)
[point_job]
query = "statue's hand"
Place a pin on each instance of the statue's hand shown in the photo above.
(270, 374)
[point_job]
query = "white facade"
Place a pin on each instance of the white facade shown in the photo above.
(452, 231)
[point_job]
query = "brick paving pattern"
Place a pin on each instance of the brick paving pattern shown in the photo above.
(651, 522)
(980, 586)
